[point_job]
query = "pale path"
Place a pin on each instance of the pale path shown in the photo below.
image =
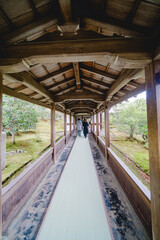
(76, 211)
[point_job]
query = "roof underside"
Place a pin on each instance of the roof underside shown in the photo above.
(78, 54)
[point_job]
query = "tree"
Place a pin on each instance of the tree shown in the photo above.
(131, 117)
(18, 115)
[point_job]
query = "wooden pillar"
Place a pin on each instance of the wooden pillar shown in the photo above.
(100, 121)
(53, 134)
(93, 122)
(74, 122)
(1, 81)
(70, 123)
(65, 121)
(152, 75)
(107, 132)
(97, 124)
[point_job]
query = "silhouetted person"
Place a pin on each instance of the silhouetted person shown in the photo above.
(85, 127)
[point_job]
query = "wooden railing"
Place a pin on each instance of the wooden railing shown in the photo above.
(137, 193)
(16, 193)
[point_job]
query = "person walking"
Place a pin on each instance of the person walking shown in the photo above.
(85, 126)
(79, 127)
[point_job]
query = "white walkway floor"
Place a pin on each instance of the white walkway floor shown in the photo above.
(76, 211)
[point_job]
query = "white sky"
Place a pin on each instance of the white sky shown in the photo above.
(139, 96)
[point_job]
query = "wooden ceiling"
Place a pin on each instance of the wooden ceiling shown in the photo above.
(78, 54)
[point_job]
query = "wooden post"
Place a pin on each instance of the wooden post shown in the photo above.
(53, 134)
(1, 82)
(97, 126)
(74, 122)
(107, 132)
(93, 122)
(70, 123)
(65, 121)
(152, 75)
(100, 121)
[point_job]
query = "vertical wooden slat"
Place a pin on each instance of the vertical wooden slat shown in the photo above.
(97, 124)
(1, 81)
(100, 121)
(107, 132)
(65, 122)
(152, 75)
(93, 122)
(53, 134)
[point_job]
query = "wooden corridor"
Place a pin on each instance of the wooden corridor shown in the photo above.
(76, 210)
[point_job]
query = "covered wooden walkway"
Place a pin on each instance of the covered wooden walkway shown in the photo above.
(77, 210)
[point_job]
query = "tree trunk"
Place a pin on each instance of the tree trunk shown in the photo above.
(13, 138)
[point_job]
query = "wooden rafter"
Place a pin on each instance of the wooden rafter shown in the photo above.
(80, 47)
(81, 110)
(65, 6)
(56, 73)
(96, 82)
(36, 14)
(81, 106)
(68, 89)
(28, 30)
(83, 95)
(6, 19)
(59, 84)
(133, 11)
(98, 72)
(77, 74)
(28, 81)
(89, 87)
(132, 93)
(124, 78)
(24, 97)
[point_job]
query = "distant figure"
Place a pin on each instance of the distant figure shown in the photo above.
(79, 127)
(85, 127)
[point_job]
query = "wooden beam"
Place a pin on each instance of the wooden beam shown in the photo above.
(20, 88)
(124, 78)
(139, 46)
(56, 73)
(24, 32)
(97, 124)
(107, 131)
(65, 6)
(73, 105)
(98, 72)
(70, 123)
(30, 82)
(152, 72)
(59, 84)
(77, 75)
(89, 87)
(53, 133)
(116, 26)
(36, 14)
(1, 92)
(11, 92)
(99, 83)
(65, 122)
(67, 89)
(84, 95)
(133, 11)
(81, 109)
(6, 19)
(132, 93)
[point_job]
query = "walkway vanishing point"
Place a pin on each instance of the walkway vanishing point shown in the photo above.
(78, 209)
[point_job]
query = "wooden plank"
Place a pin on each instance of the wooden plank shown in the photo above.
(98, 72)
(65, 122)
(53, 133)
(132, 93)
(116, 26)
(28, 30)
(125, 76)
(30, 82)
(67, 89)
(1, 92)
(6, 18)
(99, 83)
(70, 123)
(152, 73)
(140, 46)
(72, 106)
(107, 131)
(56, 73)
(77, 75)
(59, 84)
(11, 92)
(65, 6)
(97, 124)
(84, 95)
